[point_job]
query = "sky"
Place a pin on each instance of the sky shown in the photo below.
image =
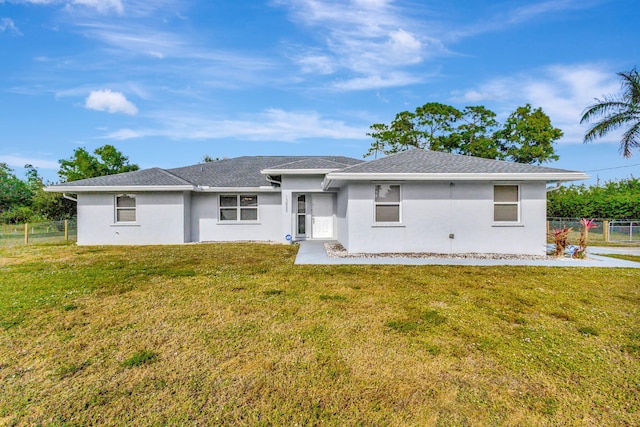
(169, 81)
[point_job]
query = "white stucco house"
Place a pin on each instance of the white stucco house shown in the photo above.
(413, 201)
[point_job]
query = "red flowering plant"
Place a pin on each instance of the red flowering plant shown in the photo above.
(587, 224)
(560, 237)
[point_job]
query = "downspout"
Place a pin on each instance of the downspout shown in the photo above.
(69, 197)
(558, 185)
(273, 181)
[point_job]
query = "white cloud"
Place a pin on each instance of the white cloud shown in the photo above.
(18, 161)
(112, 102)
(377, 82)
(102, 6)
(6, 24)
(269, 125)
(370, 39)
(563, 92)
(404, 47)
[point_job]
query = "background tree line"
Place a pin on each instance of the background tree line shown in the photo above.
(613, 200)
(26, 201)
(527, 136)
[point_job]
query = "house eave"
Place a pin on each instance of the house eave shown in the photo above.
(115, 188)
(545, 177)
(261, 189)
(296, 171)
(551, 176)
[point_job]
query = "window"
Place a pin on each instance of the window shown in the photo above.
(387, 203)
(238, 207)
(125, 208)
(506, 203)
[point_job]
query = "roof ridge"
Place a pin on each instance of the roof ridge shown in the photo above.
(322, 158)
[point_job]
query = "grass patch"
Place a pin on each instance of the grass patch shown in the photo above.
(236, 334)
(325, 297)
(66, 371)
(140, 358)
(588, 331)
(633, 258)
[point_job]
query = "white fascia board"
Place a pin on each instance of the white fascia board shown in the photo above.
(296, 171)
(115, 188)
(265, 189)
(550, 176)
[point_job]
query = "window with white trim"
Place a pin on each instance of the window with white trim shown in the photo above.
(387, 203)
(238, 207)
(506, 203)
(125, 208)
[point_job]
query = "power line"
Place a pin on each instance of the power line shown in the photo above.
(617, 167)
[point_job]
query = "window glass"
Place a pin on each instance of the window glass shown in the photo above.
(239, 207)
(248, 214)
(387, 203)
(126, 215)
(387, 213)
(387, 193)
(505, 212)
(505, 193)
(248, 200)
(126, 202)
(228, 201)
(228, 214)
(125, 208)
(506, 203)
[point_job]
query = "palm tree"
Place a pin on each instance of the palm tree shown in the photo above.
(618, 111)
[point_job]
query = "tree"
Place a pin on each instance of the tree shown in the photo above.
(49, 206)
(84, 165)
(15, 196)
(474, 135)
(435, 122)
(615, 112)
(528, 136)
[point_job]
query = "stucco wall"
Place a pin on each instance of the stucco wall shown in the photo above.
(342, 224)
(206, 227)
(433, 211)
(159, 220)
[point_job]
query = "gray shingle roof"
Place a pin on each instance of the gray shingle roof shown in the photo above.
(312, 163)
(436, 162)
(153, 177)
(245, 171)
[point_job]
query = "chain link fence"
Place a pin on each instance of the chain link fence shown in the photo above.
(624, 231)
(38, 232)
(618, 231)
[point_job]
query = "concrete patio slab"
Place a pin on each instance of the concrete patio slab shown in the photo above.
(313, 252)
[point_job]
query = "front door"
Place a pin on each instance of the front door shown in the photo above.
(322, 216)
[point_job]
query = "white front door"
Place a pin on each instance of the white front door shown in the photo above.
(322, 216)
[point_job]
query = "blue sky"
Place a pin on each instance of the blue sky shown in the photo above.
(168, 81)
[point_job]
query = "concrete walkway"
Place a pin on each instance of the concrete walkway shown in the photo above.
(313, 252)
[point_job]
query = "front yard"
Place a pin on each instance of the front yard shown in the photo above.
(235, 334)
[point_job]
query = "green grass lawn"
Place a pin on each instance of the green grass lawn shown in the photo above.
(235, 334)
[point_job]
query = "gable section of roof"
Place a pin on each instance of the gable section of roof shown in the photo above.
(308, 165)
(246, 171)
(145, 177)
(417, 161)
